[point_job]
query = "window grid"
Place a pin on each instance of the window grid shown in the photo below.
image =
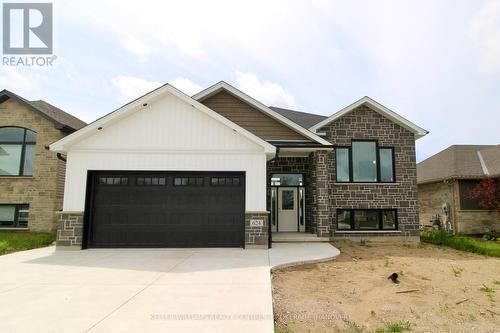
(188, 181)
(117, 181)
(19, 219)
(153, 181)
(225, 181)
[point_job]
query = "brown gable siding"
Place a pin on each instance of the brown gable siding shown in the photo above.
(250, 118)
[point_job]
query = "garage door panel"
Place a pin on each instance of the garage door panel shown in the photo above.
(167, 209)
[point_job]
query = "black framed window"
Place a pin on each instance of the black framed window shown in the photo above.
(464, 189)
(14, 216)
(367, 219)
(17, 151)
(364, 162)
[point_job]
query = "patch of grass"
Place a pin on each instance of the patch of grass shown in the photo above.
(461, 242)
(489, 292)
(395, 327)
(399, 327)
(472, 317)
(365, 242)
(457, 271)
(372, 313)
(497, 282)
(281, 329)
(13, 241)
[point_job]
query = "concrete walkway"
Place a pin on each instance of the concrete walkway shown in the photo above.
(145, 290)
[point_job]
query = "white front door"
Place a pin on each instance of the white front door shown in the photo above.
(287, 209)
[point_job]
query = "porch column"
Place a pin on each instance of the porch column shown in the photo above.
(319, 183)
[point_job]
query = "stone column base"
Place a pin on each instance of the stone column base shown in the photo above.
(69, 231)
(256, 230)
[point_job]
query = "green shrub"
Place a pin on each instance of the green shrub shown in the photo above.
(491, 235)
(4, 247)
(12, 241)
(461, 242)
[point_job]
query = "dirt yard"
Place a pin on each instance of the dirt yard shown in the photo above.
(453, 291)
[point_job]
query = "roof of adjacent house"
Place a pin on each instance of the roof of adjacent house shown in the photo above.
(303, 119)
(460, 161)
(62, 120)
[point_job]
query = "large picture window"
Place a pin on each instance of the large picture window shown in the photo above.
(364, 162)
(366, 219)
(17, 151)
(466, 202)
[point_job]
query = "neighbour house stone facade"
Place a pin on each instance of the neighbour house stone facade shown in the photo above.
(364, 123)
(433, 195)
(43, 191)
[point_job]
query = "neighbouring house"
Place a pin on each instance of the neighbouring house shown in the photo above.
(222, 169)
(446, 179)
(31, 176)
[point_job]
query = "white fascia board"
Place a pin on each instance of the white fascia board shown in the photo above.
(66, 142)
(258, 105)
(377, 107)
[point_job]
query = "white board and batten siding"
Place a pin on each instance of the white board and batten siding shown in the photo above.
(167, 135)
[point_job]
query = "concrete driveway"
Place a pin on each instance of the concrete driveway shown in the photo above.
(145, 290)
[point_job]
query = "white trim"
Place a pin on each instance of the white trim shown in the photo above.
(379, 108)
(261, 107)
(483, 165)
(141, 104)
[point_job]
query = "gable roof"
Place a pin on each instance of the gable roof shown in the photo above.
(460, 161)
(214, 89)
(62, 120)
(65, 143)
(303, 119)
(377, 107)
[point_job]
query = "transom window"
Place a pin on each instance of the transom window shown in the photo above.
(287, 179)
(366, 219)
(364, 162)
(14, 216)
(17, 151)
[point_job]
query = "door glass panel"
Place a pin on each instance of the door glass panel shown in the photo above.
(287, 200)
(273, 206)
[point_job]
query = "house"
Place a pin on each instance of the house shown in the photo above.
(447, 178)
(221, 169)
(31, 176)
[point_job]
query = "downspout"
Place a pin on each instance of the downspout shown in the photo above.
(61, 157)
(270, 237)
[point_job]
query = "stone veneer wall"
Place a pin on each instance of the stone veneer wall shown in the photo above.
(293, 165)
(321, 206)
(69, 230)
(364, 123)
(42, 191)
(257, 237)
(430, 198)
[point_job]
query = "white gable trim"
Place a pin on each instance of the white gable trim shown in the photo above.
(377, 107)
(140, 103)
(261, 107)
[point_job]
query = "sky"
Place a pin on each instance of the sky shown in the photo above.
(437, 63)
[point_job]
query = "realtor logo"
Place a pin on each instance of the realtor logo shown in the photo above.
(27, 28)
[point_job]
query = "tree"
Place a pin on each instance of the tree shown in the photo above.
(488, 193)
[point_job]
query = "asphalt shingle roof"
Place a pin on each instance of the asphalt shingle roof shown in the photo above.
(303, 119)
(460, 161)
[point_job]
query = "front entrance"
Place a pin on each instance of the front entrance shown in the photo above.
(288, 209)
(287, 202)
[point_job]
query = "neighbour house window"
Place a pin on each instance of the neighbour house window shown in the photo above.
(364, 162)
(14, 216)
(366, 219)
(17, 151)
(466, 202)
